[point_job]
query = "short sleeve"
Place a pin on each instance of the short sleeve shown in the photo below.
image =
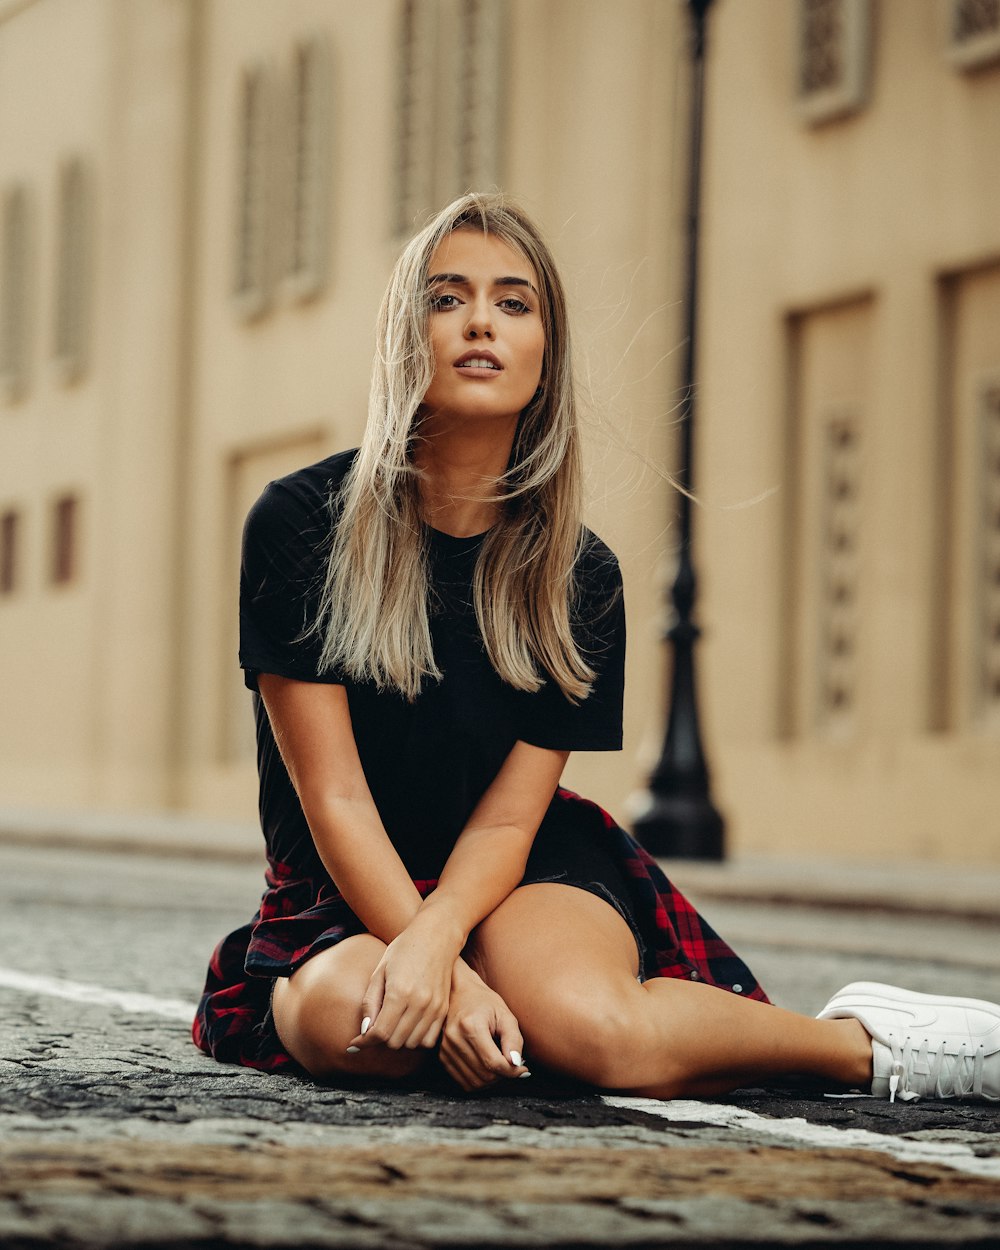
(281, 575)
(548, 718)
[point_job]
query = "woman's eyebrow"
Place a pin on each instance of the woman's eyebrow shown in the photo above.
(459, 279)
(512, 281)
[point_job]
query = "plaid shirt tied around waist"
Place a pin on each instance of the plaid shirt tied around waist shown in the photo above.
(298, 917)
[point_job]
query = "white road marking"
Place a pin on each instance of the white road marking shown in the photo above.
(956, 1155)
(79, 992)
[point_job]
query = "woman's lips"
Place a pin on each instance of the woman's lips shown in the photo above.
(479, 364)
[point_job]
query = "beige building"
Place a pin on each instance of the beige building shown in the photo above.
(852, 361)
(201, 200)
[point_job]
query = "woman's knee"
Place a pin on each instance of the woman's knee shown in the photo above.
(317, 1012)
(607, 1041)
(592, 1038)
(584, 1015)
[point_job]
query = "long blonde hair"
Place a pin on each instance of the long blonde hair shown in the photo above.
(374, 614)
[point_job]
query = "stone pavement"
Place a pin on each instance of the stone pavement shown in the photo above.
(116, 1132)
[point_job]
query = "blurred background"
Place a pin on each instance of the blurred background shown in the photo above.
(200, 202)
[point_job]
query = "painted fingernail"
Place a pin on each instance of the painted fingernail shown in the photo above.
(515, 1058)
(523, 1075)
(354, 1050)
(364, 1025)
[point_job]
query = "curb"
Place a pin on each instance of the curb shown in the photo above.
(926, 888)
(133, 833)
(966, 891)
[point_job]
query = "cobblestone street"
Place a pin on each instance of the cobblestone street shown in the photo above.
(115, 1131)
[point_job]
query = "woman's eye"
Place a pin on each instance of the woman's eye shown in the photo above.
(441, 301)
(514, 305)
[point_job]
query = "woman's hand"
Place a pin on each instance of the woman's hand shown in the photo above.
(481, 1043)
(407, 997)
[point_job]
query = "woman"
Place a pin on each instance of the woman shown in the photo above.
(430, 631)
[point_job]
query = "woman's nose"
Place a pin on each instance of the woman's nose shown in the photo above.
(480, 323)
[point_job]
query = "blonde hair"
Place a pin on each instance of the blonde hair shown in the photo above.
(374, 615)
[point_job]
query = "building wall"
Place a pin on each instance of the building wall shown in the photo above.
(51, 435)
(850, 274)
(85, 663)
(849, 313)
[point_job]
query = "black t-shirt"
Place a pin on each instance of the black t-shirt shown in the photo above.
(427, 762)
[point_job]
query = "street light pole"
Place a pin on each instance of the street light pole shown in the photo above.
(680, 820)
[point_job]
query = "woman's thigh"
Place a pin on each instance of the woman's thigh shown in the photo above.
(566, 963)
(317, 1012)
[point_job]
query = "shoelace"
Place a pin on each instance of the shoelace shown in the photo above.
(939, 1081)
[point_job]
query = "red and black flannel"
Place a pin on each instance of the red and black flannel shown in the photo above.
(298, 918)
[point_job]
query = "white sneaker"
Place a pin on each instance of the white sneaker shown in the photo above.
(924, 1046)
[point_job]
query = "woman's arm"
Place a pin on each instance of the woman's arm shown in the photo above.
(488, 859)
(407, 997)
(481, 1042)
(409, 994)
(311, 723)
(312, 728)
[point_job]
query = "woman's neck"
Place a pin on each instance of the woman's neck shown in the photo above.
(459, 468)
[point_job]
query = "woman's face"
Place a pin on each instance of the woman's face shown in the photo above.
(486, 329)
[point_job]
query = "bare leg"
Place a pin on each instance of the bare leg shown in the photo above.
(725, 1041)
(317, 1011)
(565, 962)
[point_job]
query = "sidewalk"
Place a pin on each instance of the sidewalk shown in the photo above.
(917, 887)
(149, 833)
(971, 891)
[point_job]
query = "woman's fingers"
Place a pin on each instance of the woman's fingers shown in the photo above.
(512, 1045)
(483, 1031)
(407, 1021)
(473, 1037)
(371, 1006)
(413, 1028)
(433, 1035)
(481, 1049)
(422, 1015)
(466, 1075)
(406, 1000)
(373, 998)
(458, 1070)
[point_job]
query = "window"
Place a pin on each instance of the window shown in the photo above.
(15, 267)
(308, 143)
(825, 688)
(974, 33)
(65, 540)
(839, 565)
(415, 112)
(964, 655)
(448, 105)
(10, 535)
(251, 278)
(988, 616)
(283, 180)
(834, 38)
(72, 301)
(478, 115)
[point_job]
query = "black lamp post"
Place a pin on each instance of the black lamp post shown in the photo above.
(681, 821)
